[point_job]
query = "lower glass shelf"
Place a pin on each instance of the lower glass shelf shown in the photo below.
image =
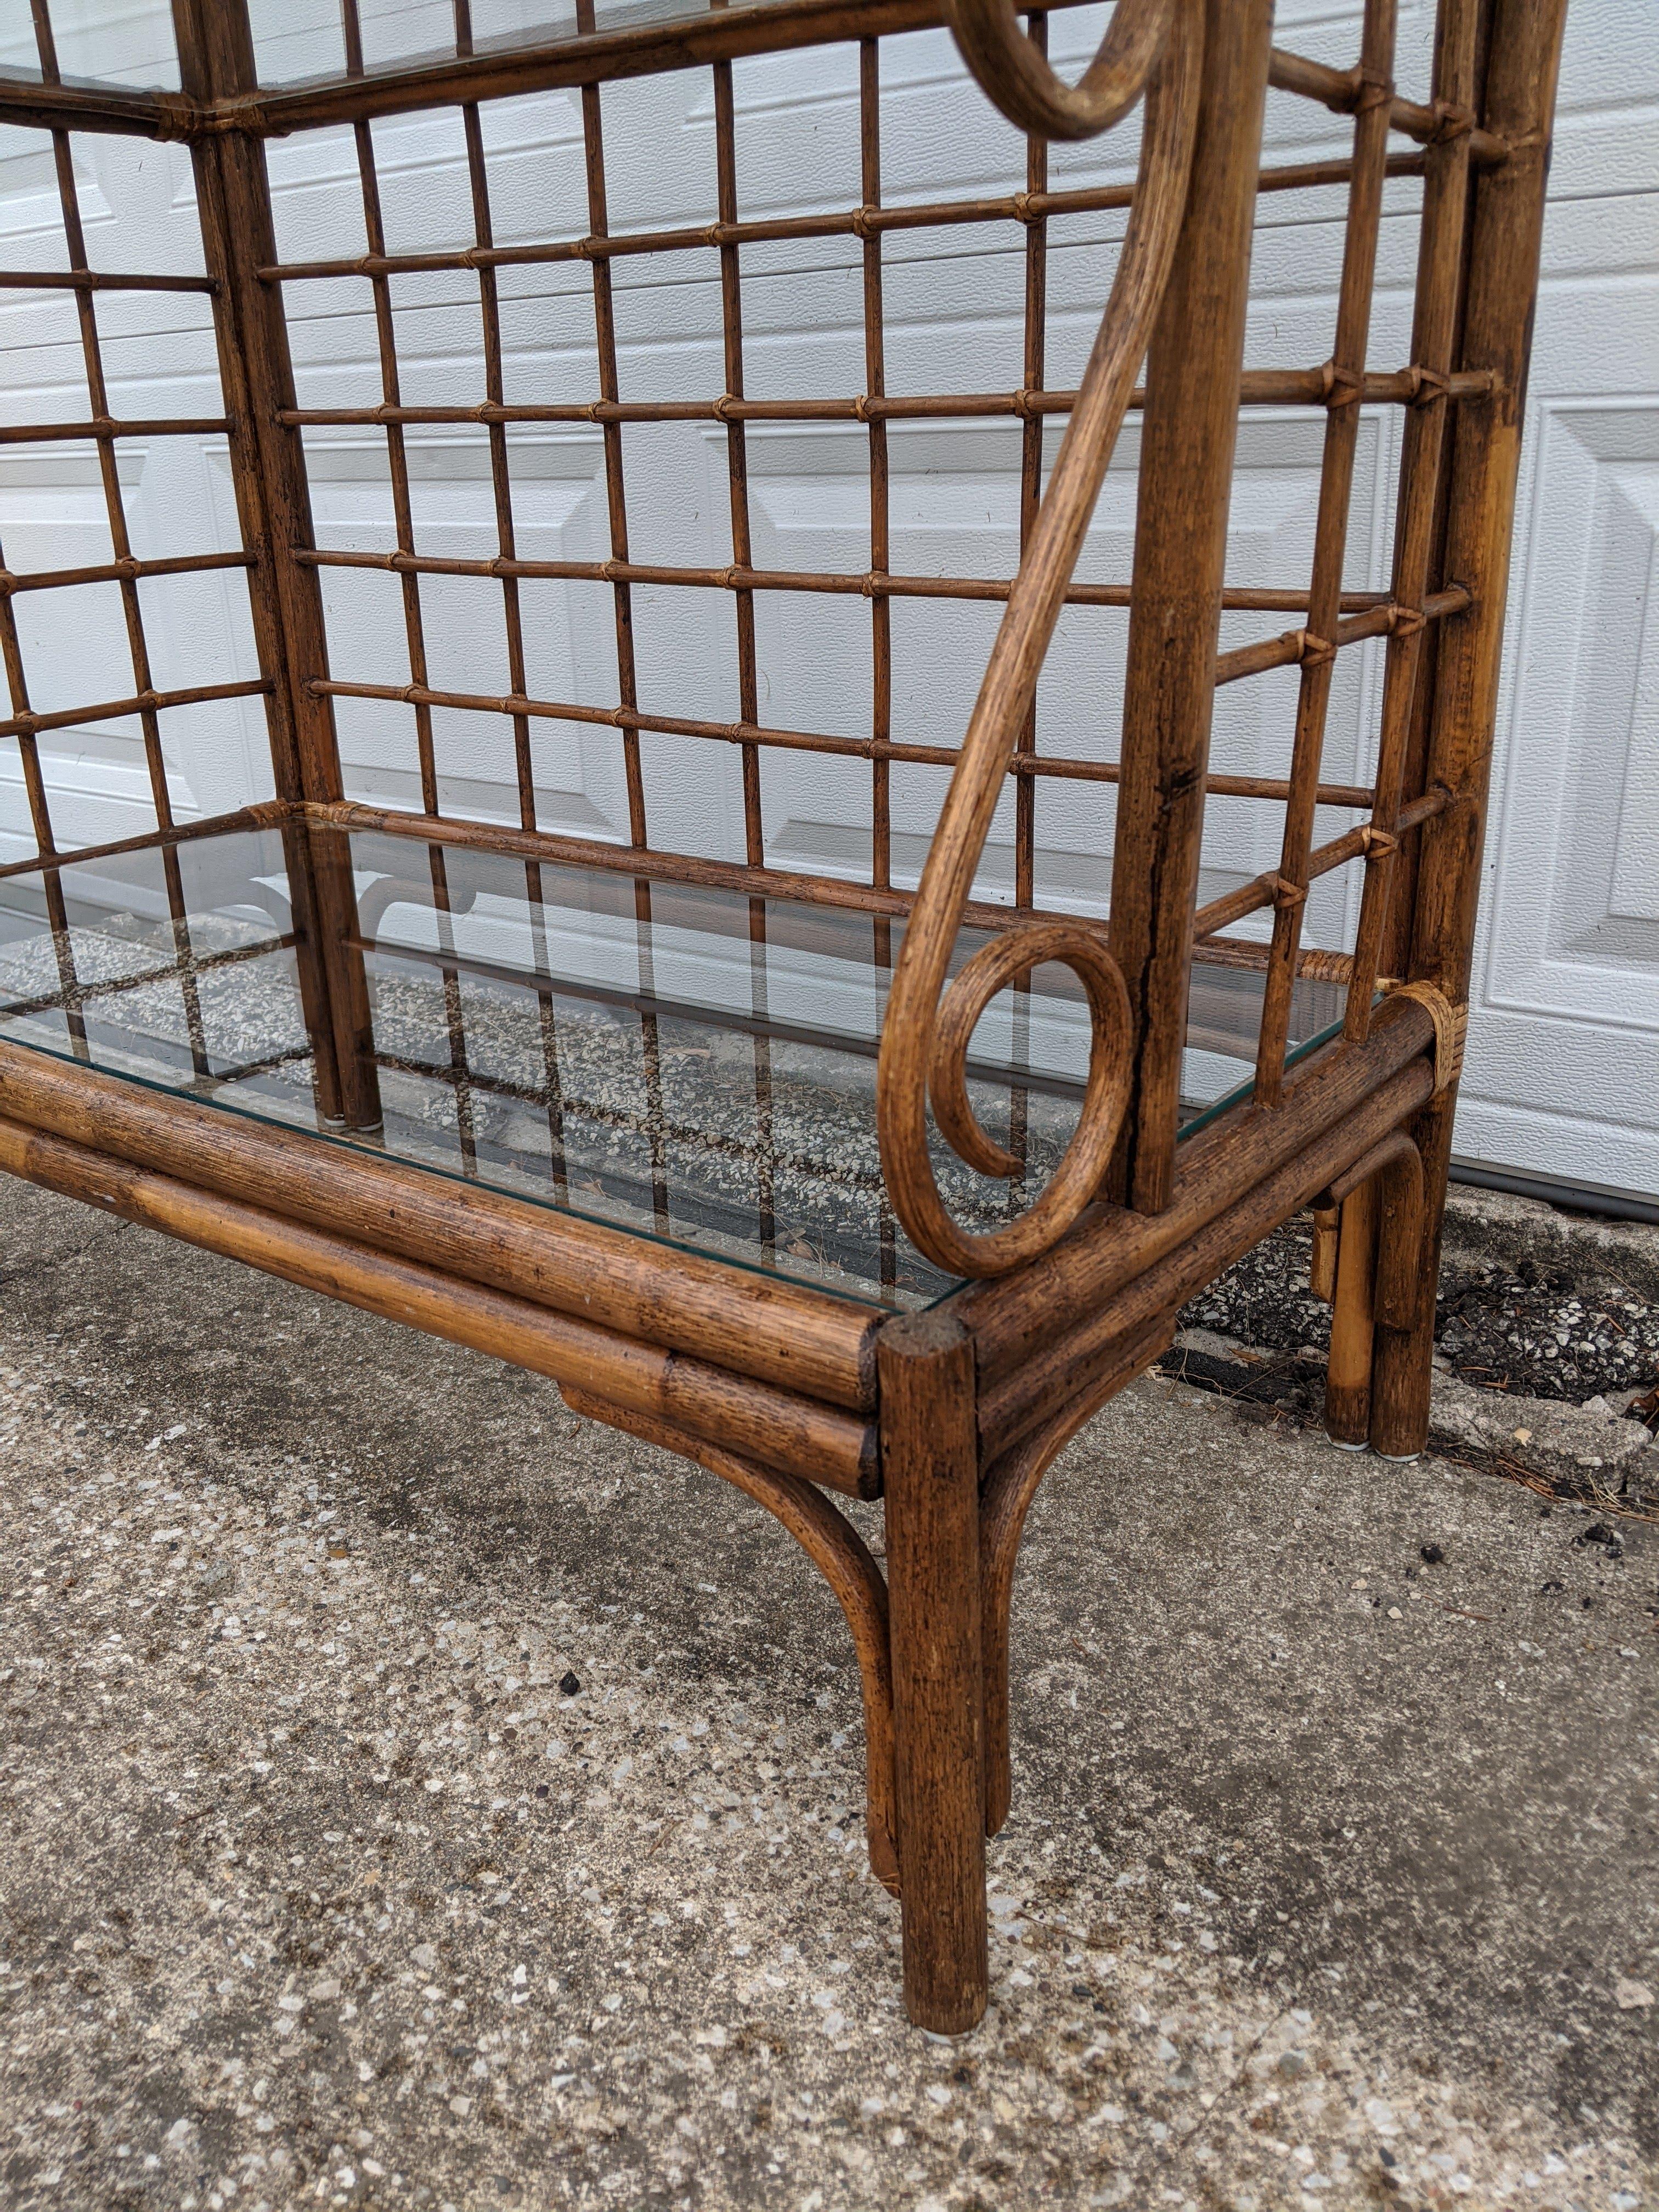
(691, 1064)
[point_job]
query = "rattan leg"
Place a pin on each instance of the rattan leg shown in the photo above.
(1402, 1368)
(1348, 1376)
(930, 1465)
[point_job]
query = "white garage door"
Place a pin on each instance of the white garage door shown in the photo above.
(1563, 1073)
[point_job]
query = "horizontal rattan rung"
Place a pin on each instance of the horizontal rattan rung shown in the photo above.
(33, 104)
(267, 814)
(845, 223)
(645, 49)
(1318, 965)
(106, 426)
(1259, 388)
(1295, 645)
(98, 280)
(655, 865)
(1281, 652)
(143, 702)
(731, 578)
(443, 81)
(1265, 890)
(1343, 91)
(118, 572)
(801, 741)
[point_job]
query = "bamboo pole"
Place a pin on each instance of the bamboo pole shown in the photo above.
(930, 1468)
(1181, 540)
(807, 1343)
(1348, 1371)
(770, 1426)
(1524, 47)
(216, 63)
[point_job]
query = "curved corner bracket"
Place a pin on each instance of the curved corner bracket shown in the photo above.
(1011, 1483)
(1016, 76)
(843, 1559)
(1396, 1165)
(1155, 46)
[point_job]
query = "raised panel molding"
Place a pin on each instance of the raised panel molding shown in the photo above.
(954, 509)
(52, 516)
(1574, 922)
(557, 482)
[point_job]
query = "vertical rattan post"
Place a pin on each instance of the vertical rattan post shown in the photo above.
(215, 61)
(1348, 1375)
(1383, 931)
(1190, 425)
(1524, 44)
(1347, 374)
(930, 1468)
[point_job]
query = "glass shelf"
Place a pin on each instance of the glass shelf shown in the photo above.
(693, 1065)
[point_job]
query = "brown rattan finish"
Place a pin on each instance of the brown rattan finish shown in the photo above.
(950, 1415)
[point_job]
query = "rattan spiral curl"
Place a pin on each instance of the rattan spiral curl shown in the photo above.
(1152, 47)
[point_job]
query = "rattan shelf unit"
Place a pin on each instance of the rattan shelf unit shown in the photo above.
(494, 1082)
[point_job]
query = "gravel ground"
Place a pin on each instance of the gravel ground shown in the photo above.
(756, 1151)
(413, 1795)
(1559, 1331)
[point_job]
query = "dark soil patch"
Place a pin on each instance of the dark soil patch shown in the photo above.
(1529, 1331)
(1537, 1332)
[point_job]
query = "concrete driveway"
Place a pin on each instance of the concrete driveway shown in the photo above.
(414, 1796)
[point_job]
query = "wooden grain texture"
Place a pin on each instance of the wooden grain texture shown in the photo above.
(1181, 536)
(1523, 46)
(1348, 1370)
(778, 1430)
(34, 104)
(930, 1469)
(1012, 1320)
(1403, 1298)
(1326, 1241)
(781, 1332)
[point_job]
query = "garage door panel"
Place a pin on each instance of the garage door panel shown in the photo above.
(558, 506)
(1565, 1146)
(1563, 1073)
(1576, 888)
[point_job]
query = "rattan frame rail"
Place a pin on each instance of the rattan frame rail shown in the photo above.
(949, 1416)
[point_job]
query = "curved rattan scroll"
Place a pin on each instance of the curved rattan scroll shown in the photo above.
(1017, 75)
(1154, 45)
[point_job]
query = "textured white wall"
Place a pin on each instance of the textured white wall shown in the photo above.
(1563, 1075)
